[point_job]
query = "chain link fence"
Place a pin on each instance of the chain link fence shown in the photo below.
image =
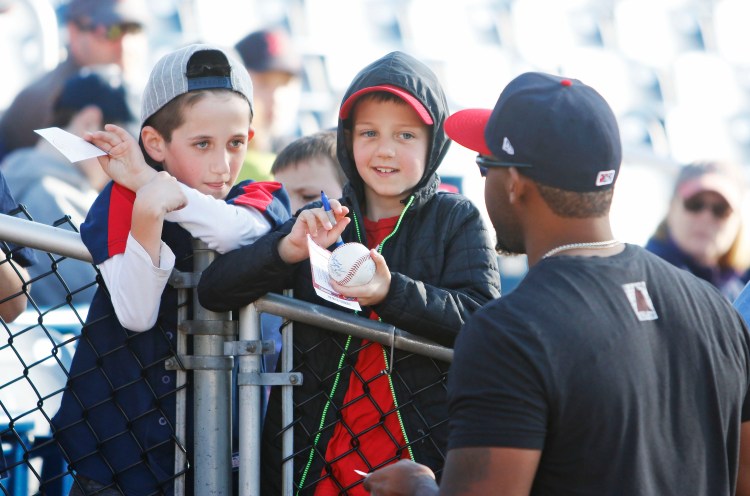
(202, 388)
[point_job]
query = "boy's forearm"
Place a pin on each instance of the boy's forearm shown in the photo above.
(162, 194)
(224, 227)
(135, 181)
(146, 227)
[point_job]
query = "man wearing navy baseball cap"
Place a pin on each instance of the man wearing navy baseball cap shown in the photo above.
(98, 32)
(607, 370)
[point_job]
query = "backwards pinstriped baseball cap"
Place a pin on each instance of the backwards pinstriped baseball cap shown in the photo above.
(193, 68)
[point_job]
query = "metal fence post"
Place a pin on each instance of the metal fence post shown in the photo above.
(180, 457)
(249, 398)
(251, 381)
(287, 408)
(212, 452)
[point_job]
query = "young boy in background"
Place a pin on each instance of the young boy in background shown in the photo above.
(116, 419)
(435, 265)
(307, 166)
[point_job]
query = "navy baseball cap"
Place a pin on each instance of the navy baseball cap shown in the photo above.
(557, 131)
(269, 50)
(108, 12)
(91, 88)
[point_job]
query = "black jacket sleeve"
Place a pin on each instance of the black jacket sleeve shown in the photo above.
(465, 278)
(241, 276)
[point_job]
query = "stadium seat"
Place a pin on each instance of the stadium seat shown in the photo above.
(695, 133)
(705, 80)
(544, 31)
(625, 84)
(654, 32)
(730, 19)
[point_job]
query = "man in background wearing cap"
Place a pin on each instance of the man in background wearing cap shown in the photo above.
(99, 32)
(51, 187)
(703, 230)
(274, 65)
(607, 370)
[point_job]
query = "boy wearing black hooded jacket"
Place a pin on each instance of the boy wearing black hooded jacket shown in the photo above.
(435, 265)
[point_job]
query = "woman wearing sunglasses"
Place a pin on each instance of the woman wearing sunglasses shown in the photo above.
(703, 229)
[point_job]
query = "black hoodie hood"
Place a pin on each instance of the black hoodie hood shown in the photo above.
(402, 70)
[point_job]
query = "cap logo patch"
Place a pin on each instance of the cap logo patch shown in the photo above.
(507, 147)
(604, 178)
(640, 301)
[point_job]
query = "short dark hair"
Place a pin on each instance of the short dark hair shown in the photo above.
(320, 144)
(577, 205)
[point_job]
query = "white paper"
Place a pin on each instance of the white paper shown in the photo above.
(74, 148)
(319, 266)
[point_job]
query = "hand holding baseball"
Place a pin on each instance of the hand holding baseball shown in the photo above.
(124, 161)
(313, 221)
(374, 291)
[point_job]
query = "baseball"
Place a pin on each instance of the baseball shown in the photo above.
(351, 265)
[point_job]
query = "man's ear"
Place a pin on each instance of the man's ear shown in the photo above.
(516, 185)
(153, 143)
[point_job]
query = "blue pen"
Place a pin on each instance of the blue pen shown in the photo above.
(331, 217)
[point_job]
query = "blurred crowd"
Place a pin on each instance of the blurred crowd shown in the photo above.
(296, 83)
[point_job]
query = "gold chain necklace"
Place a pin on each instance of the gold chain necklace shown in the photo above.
(593, 245)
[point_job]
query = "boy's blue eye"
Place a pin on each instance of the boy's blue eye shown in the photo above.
(202, 144)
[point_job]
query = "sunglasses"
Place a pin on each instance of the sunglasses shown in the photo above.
(484, 163)
(113, 32)
(695, 205)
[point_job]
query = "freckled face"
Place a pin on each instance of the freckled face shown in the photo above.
(207, 151)
(389, 144)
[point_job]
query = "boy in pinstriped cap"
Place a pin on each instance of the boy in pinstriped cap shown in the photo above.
(117, 415)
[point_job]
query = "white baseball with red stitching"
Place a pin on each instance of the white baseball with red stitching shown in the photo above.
(351, 265)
